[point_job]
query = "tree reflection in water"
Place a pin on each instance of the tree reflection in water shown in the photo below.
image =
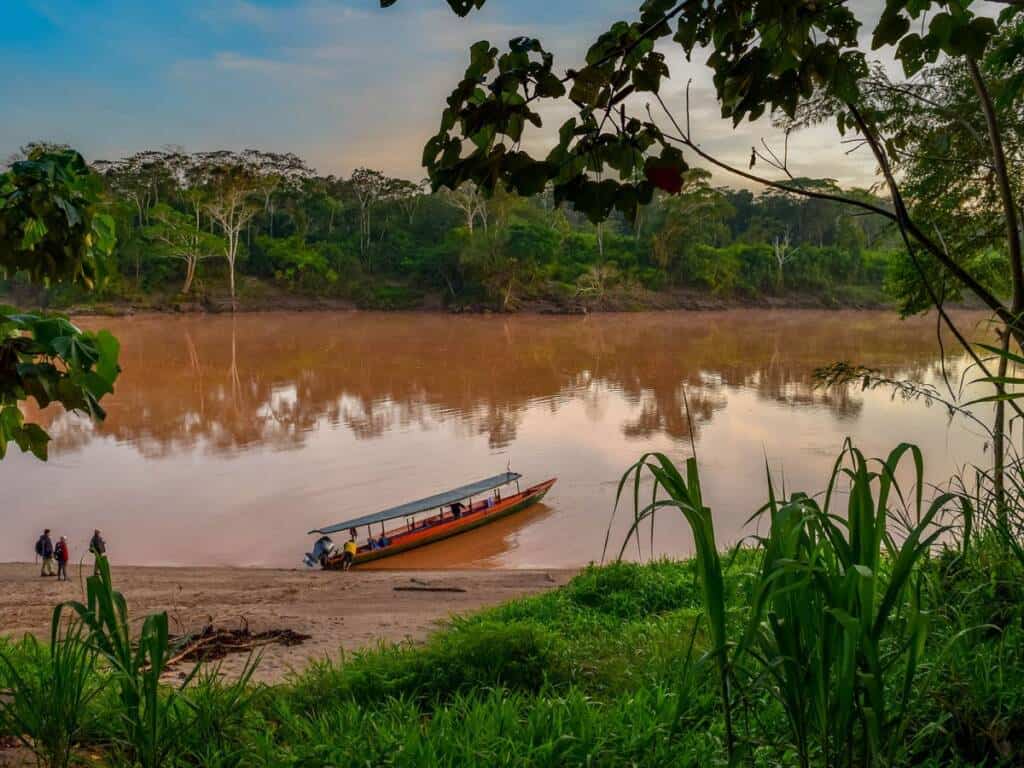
(225, 384)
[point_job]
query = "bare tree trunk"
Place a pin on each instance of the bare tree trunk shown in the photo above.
(232, 255)
(188, 276)
(448, 282)
(781, 248)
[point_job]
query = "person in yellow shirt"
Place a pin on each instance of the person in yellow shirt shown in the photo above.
(350, 551)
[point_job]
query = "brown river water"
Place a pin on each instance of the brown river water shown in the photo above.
(229, 437)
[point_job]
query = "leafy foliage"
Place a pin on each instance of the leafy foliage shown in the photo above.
(382, 242)
(51, 230)
(836, 629)
(49, 359)
(50, 226)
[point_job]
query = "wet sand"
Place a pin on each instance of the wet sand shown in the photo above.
(341, 611)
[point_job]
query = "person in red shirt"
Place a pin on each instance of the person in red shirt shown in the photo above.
(62, 555)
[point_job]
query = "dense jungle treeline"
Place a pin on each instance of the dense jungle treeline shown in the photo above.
(260, 227)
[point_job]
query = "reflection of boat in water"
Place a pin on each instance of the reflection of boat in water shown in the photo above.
(450, 517)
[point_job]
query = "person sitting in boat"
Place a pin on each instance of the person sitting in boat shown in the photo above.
(457, 509)
(349, 554)
(383, 541)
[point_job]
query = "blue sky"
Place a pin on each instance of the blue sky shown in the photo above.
(340, 82)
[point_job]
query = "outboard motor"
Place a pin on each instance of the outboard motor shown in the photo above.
(322, 549)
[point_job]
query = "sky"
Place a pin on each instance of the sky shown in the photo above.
(342, 83)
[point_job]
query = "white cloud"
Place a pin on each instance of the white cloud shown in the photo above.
(238, 12)
(230, 61)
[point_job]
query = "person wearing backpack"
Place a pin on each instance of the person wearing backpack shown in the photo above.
(44, 548)
(98, 547)
(63, 554)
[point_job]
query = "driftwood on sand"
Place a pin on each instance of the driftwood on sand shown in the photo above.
(214, 643)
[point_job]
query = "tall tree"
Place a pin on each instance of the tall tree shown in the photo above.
(276, 171)
(695, 215)
(369, 187)
(231, 185)
(178, 236)
(469, 199)
(408, 195)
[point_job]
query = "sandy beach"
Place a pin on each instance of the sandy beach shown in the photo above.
(339, 611)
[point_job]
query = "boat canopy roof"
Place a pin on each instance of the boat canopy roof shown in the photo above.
(422, 505)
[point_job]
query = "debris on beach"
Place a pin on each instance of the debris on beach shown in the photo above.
(214, 643)
(425, 586)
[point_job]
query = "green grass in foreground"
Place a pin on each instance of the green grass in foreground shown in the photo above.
(594, 673)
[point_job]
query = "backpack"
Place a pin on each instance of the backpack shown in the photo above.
(39, 546)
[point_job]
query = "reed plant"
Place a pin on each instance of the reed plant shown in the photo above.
(144, 714)
(48, 700)
(212, 722)
(836, 627)
(684, 495)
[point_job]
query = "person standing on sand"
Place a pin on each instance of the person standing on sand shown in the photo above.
(98, 547)
(44, 548)
(63, 554)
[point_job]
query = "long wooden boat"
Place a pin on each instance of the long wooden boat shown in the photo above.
(448, 516)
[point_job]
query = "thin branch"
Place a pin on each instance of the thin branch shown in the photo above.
(930, 102)
(686, 142)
